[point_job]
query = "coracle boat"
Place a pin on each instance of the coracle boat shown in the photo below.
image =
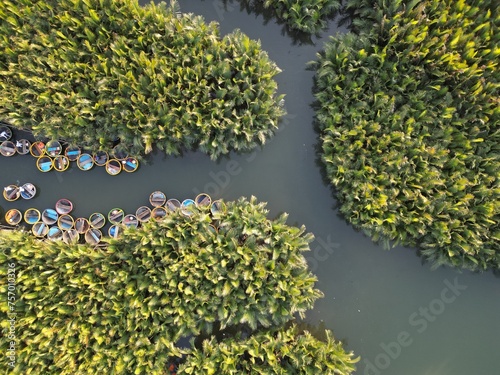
(115, 216)
(13, 216)
(8, 148)
(53, 148)
(158, 213)
(71, 236)
(100, 158)
(64, 206)
(130, 221)
(82, 225)
(37, 149)
(173, 205)
(113, 167)
(97, 220)
(44, 163)
(93, 236)
(188, 207)
(130, 164)
(55, 234)
(40, 229)
(203, 201)
(32, 216)
(65, 222)
(23, 146)
(72, 153)
(28, 191)
(5, 132)
(50, 216)
(157, 199)
(61, 163)
(11, 193)
(143, 214)
(85, 162)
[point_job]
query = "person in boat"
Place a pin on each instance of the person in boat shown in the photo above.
(4, 134)
(19, 144)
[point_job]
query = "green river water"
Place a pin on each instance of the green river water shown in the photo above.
(389, 307)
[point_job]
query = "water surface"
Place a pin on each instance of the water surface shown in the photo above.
(400, 316)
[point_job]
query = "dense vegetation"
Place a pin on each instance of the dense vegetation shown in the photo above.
(308, 16)
(284, 351)
(91, 71)
(409, 119)
(125, 306)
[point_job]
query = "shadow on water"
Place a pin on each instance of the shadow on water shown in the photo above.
(257, 8)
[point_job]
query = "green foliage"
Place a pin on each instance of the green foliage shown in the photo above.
(88, 71)
(409, 120)
(103, 310)
(282, 351)
(309, 16)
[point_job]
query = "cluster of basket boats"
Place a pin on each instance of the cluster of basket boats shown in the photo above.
(52, 155)
(13, 192)
(57, 223)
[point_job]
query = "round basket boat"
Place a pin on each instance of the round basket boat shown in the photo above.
(203, 201)
(13, 216)
(101, 158)
(158, 213)
(28, 191)
(50, 216)
(188, 207)
(173, 205)
(113, 167)
(93, 236)
(23, 146)
(8, 148)
(71, 236)
(130, 221)
(130, 164)
(115, 216)
(53, 148)
(64, 206)
(114, 231)
(44, 164)
(32, 216)
(218, 207)
(85, 162)
(97, 220)
(72, 153)
(157, 199)
(5, 132)
(40, 229)
(11, 193)
(55, 234)
(37, 149)
(82, 225)
(119, 153)
(65, 222)
(143, 214)
(61, 163)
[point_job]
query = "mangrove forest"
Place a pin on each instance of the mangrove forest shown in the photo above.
(125, 306)
(408, 114)
(94, 72)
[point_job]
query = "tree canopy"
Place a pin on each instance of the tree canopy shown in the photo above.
(307, 16)
(91, 71)
(408, 114)
(125, 306)
(282, 351)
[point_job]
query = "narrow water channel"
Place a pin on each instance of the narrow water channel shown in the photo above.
(400, 316)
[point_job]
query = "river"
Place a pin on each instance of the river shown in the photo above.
(389, 307)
